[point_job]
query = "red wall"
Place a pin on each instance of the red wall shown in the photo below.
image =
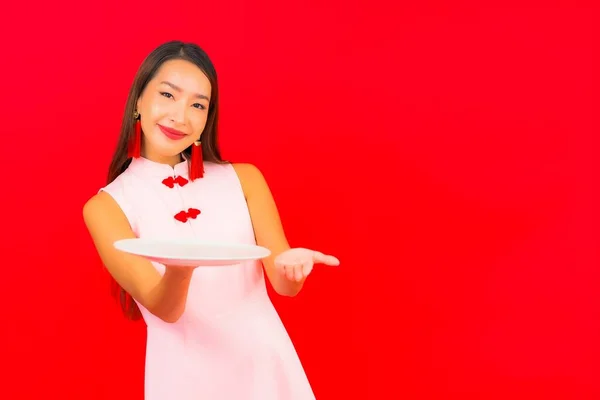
(447, 152)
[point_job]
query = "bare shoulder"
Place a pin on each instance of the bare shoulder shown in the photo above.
(251, 178)
(98, 203)
(101, 207)
(247, 171)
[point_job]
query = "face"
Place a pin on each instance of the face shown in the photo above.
(173, 110)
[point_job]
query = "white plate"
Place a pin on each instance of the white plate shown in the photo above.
(191, 252)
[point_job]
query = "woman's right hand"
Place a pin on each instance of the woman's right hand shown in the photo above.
(180, 268)
(164, 296)
(177, 270)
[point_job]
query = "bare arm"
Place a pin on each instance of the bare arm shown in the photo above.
(163, 296)
(267, 225)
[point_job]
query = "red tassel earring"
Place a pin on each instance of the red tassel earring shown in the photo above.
(197, 163)
(135, 143)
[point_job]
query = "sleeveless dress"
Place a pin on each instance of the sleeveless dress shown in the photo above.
(230, 343)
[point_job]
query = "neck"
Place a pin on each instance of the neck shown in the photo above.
(172, 160)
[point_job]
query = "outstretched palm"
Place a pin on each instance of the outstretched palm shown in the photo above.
(296, 264)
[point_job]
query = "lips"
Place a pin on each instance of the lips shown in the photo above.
(171, 133)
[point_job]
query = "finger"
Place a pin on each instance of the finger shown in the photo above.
(320, 258)
(289, 272)
(280, 266)
(298, 273)
(307, 268)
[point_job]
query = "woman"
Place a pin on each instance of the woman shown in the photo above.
(213, 333)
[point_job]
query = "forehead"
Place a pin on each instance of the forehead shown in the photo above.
(185, 75)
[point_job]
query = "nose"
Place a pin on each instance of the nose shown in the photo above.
(178, 114)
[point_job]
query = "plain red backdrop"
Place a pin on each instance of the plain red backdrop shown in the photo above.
(446, 152)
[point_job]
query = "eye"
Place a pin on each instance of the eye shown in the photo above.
(200, 106)
(166, 94)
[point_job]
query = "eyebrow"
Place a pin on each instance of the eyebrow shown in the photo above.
(177, 88)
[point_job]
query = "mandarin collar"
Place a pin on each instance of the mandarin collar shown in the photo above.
(145, 167)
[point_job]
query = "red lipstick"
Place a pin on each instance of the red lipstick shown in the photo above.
(171, 133)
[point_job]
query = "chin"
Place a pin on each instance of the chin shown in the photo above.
(168, 148)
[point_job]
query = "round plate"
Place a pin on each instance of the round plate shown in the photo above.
(191, 252)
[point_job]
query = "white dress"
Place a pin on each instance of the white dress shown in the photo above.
(230, 342)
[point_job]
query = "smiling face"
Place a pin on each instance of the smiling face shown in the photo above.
(173, 110)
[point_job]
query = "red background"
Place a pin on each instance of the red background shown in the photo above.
(446, 152)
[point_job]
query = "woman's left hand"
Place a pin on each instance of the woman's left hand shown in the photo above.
(296, 264)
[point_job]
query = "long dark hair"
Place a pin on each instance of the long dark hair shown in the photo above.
(173, 50)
